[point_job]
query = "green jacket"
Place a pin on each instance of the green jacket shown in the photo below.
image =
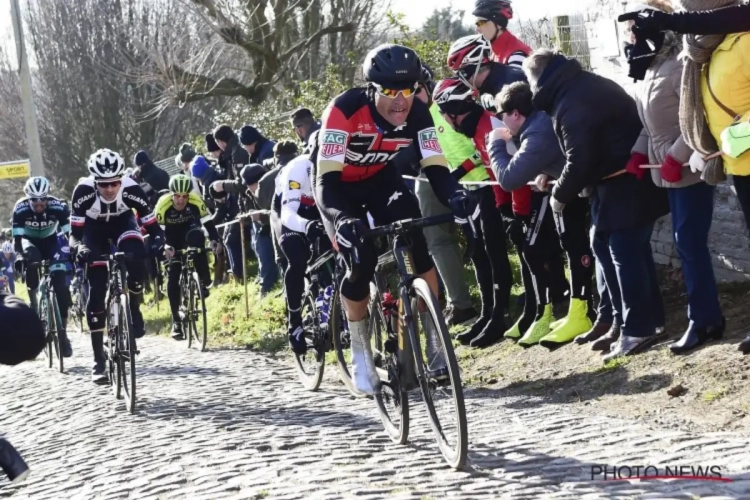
(457, 148)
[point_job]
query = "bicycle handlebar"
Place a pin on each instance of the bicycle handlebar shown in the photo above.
(406, 225)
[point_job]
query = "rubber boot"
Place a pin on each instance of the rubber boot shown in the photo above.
(539, 328)
(366, 378)
(436, 366)
(577, 323)
(494, 329)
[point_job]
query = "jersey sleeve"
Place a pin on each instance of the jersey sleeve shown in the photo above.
(83, 198)
(203, 212)
(335, 133)
(135, 198)
(426, 139)
(291, 195)
(162, 205)
(17, 221)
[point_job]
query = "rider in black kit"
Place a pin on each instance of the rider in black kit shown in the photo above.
(103, 214)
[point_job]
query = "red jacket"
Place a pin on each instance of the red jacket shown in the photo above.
(505, 45)
(520, 198)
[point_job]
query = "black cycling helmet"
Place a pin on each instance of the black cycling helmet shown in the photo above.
(393, 66)
(497, 11)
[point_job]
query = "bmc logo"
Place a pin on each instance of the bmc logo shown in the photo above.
(372, 158)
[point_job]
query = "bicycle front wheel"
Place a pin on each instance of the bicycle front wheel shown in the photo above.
(197, 324)
(49, 328)
(126, 352)
(438, 375)
(56, 327)
(310, 365)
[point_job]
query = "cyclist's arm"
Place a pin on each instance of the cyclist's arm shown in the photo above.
(64, 218)
(162, 205)
(432, 161)
(330, 160)
(135, 199)
(18, 224)
(205, 216)
(84, 197)
(291, 196)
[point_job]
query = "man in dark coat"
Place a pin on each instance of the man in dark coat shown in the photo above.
(150, 174)
(258, 147)
(229, 143)
(305, 125)
(597, 124)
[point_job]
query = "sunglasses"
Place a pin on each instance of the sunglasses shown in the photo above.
(480, 22)
(110, 184)
(393, 93)
(38, 200)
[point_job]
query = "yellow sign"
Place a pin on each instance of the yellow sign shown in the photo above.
(15, 169)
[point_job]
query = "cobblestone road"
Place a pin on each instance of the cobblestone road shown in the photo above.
(228, 424)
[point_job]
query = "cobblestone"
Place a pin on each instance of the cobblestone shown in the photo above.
(234, 424)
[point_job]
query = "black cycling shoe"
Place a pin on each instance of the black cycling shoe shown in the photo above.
(99, 374)
(177, 333)
(297, 341)
(65, 347)
(439, 377)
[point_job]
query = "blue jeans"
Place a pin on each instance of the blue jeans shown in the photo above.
(263, 248)
(692, 210)
(630, 275)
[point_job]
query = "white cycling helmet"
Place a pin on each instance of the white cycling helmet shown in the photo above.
(36, 187)
(106, 165)
(7, 247)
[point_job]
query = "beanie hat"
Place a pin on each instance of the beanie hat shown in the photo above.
(249, 135)
(211, 145)
(199, 167)
(252, 173)
(187, 153)
(223, 133)
(141, 158)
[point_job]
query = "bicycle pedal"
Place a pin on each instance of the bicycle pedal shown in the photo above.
(391, 346)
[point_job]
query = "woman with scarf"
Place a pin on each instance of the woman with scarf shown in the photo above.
(657, 94)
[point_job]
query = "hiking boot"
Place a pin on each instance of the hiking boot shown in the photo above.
(577, 323)
(297, 340)
(491, 334)
(597, 331)
(538, 329)
(604, 344)
(177, 333)
(458, 317)
(473, 332)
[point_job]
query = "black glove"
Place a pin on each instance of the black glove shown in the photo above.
(314, 230)
(214, 193)
(157, 245)
(463, 204)
(643, 52)
(82, 254)
(649, 21)
(349, 233)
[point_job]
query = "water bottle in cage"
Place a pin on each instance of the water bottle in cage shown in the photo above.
(321, 303)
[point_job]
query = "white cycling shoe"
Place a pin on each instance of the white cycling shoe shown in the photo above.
(364, 374)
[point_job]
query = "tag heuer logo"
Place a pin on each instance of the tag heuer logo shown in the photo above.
(333, 143)
(428, 140)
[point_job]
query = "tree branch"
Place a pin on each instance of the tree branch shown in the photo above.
(315, 37)
(200, 87)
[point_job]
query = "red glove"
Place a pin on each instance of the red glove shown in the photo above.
(634, 165)
(671, 169)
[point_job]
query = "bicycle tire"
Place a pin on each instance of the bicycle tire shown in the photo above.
(44, 315)
(341, 341)
(454, 455)
(197, 311)
(312, 378)
(57, 328)
(115, 377)
(126, 353)
(396, 422)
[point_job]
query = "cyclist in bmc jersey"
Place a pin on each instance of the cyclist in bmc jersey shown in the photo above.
(103, 215)
(36, 220)
(297, 225)
(183, 215)
(362, 129)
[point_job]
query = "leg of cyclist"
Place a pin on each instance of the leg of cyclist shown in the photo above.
(131, 241)
(174, 294)
(51, 250)
(32, 255)
(392, 201)
(196, 239)
(295, 248)
(95, 238)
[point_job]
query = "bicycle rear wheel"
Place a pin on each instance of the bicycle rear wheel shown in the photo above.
(56, 328)
(444, 399)
(341, 340)
(392, 401)
(198, 326)
(49, 328)
(126, 352)
(311, 365)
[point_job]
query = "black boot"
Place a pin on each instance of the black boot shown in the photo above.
(473, 332)
(99, 373)
(696, 336)
(139, 327)
(744, 346)
(492, 332)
